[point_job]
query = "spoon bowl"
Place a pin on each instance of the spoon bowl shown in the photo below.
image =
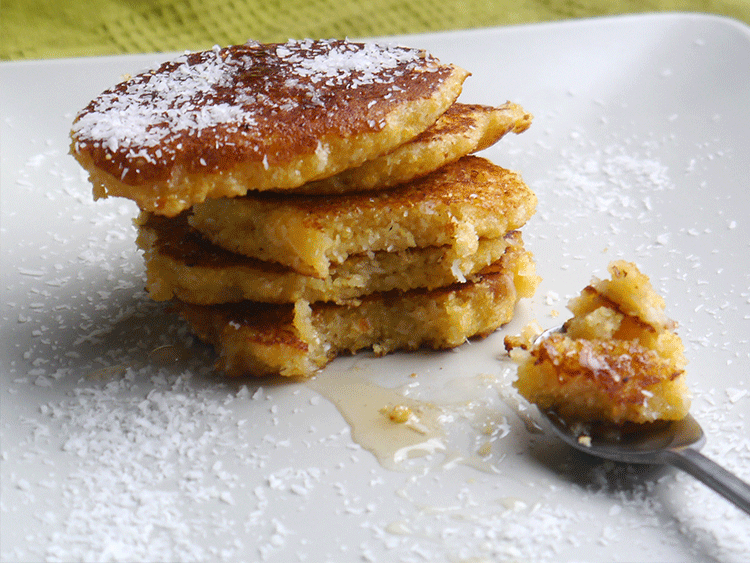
(673, 443)
(633, 443)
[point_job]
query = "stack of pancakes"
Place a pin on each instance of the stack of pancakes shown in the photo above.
(313, 198)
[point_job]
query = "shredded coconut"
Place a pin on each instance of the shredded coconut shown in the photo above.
(233, 96)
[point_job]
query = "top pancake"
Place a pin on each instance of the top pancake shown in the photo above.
(255, 117)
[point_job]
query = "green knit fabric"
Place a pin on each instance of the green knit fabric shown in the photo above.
(65, 28)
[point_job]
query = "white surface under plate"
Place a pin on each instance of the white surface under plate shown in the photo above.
(119, 444)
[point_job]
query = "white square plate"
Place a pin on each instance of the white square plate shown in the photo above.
(119, 444)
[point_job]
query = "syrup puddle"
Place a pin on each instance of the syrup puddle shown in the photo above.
(460, 421)
(393, 427)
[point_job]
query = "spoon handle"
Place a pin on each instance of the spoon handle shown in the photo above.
(711, 474)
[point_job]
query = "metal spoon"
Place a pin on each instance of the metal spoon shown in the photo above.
(667, 442)
(674, 442)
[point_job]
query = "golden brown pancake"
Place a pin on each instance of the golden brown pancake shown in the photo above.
(462, 130)
(618, 359)
(456, 206)
(256, 116)
(315, 198)
(297, 340)
(182, 264)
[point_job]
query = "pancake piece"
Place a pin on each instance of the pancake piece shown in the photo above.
(617, 360)
(256, 116)
(182, 264)
(461, 130)
(455, 206)
(297, 340)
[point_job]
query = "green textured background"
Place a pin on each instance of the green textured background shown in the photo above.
(66, 28)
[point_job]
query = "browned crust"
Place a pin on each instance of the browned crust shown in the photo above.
(303, 126)
(471, 182)
(460, 118)
(637, 368)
